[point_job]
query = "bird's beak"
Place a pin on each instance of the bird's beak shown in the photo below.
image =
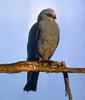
(54, 15)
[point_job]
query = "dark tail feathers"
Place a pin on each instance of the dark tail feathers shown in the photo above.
(32, 78)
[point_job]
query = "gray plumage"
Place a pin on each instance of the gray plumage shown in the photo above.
(42, 42)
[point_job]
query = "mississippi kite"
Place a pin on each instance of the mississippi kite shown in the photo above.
(42, 42)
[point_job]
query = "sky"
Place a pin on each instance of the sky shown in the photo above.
(16, 19)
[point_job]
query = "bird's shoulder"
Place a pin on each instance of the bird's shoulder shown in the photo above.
(34, 28)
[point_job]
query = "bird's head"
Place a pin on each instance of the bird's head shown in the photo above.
(47, 13)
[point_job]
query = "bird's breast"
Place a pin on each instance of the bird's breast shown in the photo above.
(47, 39)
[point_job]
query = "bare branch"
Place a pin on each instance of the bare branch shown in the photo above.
(41, 66)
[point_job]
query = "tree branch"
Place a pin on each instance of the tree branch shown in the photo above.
(41, 66)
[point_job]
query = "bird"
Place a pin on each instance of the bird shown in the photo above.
(42, 42)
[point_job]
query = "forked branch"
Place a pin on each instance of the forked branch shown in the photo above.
(43, 66)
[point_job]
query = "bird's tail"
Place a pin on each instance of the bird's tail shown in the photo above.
(32, 78)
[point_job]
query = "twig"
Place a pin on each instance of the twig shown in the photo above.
(67, 84)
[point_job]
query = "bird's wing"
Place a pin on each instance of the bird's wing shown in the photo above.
(31, 46)
(32, 77)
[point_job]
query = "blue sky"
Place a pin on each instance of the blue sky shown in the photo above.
(16, 19)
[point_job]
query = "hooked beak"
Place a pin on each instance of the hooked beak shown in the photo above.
(54, 15)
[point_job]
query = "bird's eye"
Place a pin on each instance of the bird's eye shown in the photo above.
(50, 15)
